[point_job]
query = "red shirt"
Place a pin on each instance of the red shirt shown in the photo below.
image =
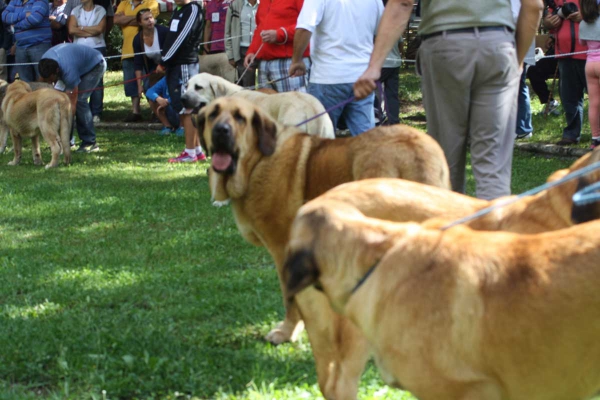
(280, 15)
(567, 36)
(216, 12)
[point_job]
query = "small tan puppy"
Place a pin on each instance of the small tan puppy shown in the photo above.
(29, 114)
(459, 314)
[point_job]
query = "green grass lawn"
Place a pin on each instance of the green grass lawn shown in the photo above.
(119, 280)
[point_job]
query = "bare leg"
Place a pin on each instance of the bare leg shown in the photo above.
(192, 140)
(135, 104)
(160, 114)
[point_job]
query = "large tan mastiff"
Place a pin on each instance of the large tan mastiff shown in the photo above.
(459, 314)
(289, 108)
(31, 114)
(268, 173)
(400, 200)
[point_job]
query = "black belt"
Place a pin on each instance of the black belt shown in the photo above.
(468, 30)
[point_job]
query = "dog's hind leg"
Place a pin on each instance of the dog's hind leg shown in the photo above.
(54, 144)
(3, 136)
(339, 348)
(35, 150)
(17, 145)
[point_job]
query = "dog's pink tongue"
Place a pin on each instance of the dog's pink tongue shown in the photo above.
(221, 161)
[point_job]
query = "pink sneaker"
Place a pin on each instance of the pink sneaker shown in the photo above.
(184, 157)
(200, 157)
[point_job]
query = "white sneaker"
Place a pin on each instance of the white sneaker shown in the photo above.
(552, 108)
(96, 119)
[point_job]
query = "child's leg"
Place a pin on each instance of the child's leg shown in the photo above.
(592, 75)
(160, 114)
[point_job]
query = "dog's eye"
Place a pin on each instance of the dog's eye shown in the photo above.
(213, 115)
(198, 87)
(239, 117)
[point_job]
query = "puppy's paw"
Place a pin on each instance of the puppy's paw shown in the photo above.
(14, 162)
(50, 165)
(221, 203)
(285, 332)
(277, 337)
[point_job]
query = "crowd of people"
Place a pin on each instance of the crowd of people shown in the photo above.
(470, 62)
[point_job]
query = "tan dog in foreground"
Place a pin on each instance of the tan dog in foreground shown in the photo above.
(268, 172)
(29, 114)
(3, 128)
(288, 108)
(459, 314)
(401, 201)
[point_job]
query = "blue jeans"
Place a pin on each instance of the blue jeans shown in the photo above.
(97, 97)
(31, 54)
(359, 115)
(83, 112)
(572, 86)
(524, 107)
(390, 82)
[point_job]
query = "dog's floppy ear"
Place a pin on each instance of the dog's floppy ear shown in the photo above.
(266, 130)
(216, 88)
(300, 271)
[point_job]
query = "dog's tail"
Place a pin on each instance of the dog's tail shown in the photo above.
(66, 122)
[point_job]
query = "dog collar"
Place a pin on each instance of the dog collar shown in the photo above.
(365, 276)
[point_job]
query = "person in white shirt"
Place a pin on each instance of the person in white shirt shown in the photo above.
(86, 25)
(341, 34)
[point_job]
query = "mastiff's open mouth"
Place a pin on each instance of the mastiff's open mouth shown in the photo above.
(224, 156)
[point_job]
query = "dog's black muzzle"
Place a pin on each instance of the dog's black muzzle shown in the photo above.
(223, 143)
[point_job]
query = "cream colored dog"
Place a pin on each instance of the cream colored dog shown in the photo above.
(29, 114)
(289, 108)
(459, 314)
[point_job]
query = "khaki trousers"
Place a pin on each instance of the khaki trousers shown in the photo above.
(470, 83)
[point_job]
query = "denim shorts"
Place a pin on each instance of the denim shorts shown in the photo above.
(131, 88)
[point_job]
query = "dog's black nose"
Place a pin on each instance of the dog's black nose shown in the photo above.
(221, 129)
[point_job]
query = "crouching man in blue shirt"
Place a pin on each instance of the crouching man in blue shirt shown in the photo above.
(76, 70)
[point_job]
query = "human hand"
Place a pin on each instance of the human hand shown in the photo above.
(248, 59)
(52, 17)
(297, 68)
(269, 36)
(552, 21)
(366, 84)
(13, 50)
(232, 63)
(162, 102)
(160, 69)
(207, 48)
(27, 14)
(140, 88)
(575, 17)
